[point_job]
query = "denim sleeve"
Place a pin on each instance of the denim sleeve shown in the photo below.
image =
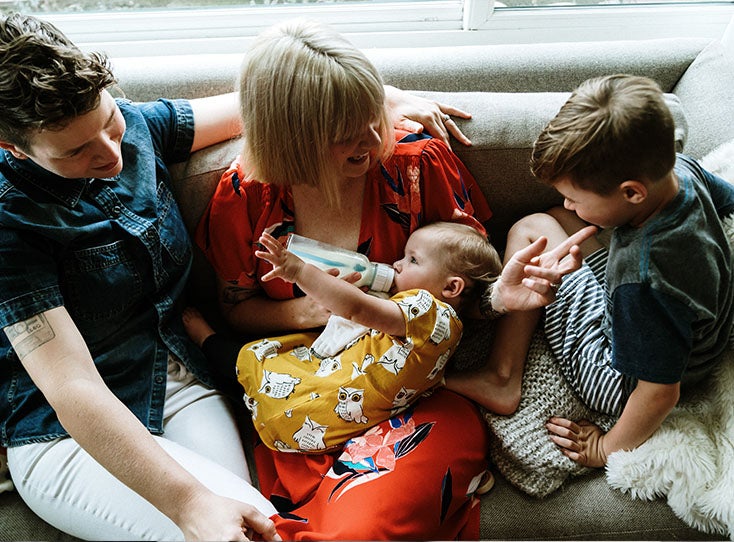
(29, 279)
(171, 125)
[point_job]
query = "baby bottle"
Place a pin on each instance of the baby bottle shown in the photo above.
(377, 277)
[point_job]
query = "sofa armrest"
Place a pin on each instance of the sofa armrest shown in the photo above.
(705, 90)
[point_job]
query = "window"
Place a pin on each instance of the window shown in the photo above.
(166, 27)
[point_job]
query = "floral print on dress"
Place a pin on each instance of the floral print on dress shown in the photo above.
(376, 453)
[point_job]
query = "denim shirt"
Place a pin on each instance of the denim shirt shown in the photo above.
(115, 253)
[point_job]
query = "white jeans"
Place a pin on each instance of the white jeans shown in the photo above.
(68, 489)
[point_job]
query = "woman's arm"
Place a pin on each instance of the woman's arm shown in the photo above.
(217, 118)
(55, 355)
(254, 313)
(337, 295)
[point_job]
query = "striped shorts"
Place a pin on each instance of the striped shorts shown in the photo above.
(573, 326)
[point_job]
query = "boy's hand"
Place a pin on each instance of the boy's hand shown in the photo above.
(582, 442)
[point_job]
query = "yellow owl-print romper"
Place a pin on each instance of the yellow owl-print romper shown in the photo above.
(301, 403)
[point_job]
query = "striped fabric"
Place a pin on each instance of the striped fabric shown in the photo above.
(574, 328)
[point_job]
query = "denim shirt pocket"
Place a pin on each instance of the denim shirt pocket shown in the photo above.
(173, 234)
(101, 283)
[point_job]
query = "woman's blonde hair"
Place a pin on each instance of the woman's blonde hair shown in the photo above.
(303, 87)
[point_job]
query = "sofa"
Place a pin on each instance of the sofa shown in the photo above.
(511, 92)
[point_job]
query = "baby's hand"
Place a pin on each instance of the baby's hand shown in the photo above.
(286, 265)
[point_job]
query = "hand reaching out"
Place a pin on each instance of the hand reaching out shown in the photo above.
(531, 277)
(286, 265)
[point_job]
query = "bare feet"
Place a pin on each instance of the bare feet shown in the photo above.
(498, 394)
(196, 326)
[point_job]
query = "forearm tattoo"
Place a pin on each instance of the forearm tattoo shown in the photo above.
(30, 334)
(231, 295)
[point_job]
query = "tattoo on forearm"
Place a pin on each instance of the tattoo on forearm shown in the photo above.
(231, 295)
(30, 334)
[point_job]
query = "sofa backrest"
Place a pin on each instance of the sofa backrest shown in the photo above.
(546, 67)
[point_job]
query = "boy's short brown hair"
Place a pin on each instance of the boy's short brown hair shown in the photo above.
(45, 80)
(612, 129)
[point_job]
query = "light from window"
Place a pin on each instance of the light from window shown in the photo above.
(87, 6)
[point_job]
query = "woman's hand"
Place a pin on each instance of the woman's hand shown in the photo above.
(531, 277)
(220, 518)
(416, 114)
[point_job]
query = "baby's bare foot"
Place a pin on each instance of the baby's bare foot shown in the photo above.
(196, 326)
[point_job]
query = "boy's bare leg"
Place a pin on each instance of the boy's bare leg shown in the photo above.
(497, 386)
(571, 223)
(196, 326)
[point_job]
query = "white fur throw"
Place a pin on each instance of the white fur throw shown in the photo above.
(689, 460)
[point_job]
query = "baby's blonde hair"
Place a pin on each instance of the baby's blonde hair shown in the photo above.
(303, 87)
(464, 251)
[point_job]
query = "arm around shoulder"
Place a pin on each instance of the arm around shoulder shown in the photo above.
(216, 119)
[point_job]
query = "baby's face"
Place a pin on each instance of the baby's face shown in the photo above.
(420, 267)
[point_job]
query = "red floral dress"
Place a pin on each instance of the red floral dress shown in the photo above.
(413, 476)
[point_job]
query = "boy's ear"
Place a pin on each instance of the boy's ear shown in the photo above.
(13, 150)
(453, 287)
(633, 191)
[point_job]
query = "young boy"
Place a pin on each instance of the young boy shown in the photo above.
(302, 402)
(633, 335)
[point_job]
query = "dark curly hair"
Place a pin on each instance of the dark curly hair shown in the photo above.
(45, 80)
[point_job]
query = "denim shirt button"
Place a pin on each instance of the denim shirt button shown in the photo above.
(159, 379)
(116, 210)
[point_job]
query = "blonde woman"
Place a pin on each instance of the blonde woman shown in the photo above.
(321, 159)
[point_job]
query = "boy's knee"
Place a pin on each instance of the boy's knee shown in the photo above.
(532, 226)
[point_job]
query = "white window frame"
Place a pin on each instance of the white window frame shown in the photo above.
(389, 24)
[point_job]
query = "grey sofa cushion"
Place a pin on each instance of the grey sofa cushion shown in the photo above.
(585, 508)
(537, 67)
(705, 90)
